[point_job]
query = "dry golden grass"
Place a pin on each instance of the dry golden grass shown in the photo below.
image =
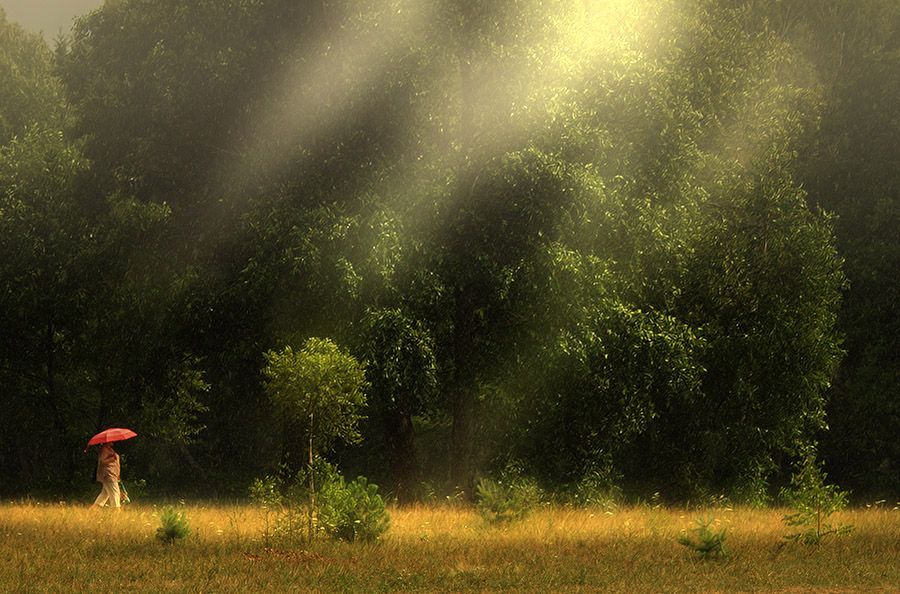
(66, 549)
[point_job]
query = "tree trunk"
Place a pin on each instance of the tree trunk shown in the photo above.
(402, 452)
(53, 398)
(467, 106)
(462, 471)
(312, 480)
(294, 448)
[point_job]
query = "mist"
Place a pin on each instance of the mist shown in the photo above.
(586, 244)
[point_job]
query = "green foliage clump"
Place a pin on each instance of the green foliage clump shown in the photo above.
(597, 490)
(265, 493)
(708, 544)
(497, 501)
(284, 500)
(172, 414)
(814, 502)
(321, 386)
(348, 511)
(352, 511)
(174, 526)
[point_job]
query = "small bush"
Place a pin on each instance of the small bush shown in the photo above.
(499, 502)
(352, 511)
(175, 526)
(286, 503)
(265, 493)
(708, 544)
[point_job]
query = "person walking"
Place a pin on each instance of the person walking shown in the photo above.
(108, 475)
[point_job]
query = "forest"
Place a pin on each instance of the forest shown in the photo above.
(610, 246)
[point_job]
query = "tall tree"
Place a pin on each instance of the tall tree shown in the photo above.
(65, 267)
(848, 169)
(30, 94)
(402, 378)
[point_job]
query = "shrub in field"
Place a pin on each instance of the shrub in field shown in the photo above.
(500, 502)
(174, 526)
(283, 501)
(352, 511)
(265, 493)
(814, 502)
(708, 543)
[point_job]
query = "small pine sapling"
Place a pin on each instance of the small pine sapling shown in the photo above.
(814, 502)
(498, 502)
(174, 526)
(709, 544)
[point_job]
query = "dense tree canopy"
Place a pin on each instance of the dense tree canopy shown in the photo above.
(605, 243)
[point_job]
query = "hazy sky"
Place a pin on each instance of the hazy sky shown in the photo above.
(48, 16)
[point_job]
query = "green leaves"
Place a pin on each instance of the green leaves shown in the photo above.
(708, 543)
(763, 287)
(499, 502)
(173, 415)
(66, 282)
(30, 94)
(352, 511)
(573, 227)
(174, 526)
(815, 502)
(401, 365)
(319, 386)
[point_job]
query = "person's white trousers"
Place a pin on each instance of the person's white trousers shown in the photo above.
(110, 492)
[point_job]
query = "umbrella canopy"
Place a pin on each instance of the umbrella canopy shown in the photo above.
(110, 435)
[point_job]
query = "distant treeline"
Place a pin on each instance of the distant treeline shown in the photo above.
(609, 246)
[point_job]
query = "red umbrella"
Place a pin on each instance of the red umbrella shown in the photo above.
(110, 435)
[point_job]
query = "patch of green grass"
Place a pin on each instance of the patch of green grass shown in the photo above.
(65, 549)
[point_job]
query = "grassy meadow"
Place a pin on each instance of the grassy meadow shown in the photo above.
(73, 548)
